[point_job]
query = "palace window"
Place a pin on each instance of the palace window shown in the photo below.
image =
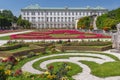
(61, 13)
(38, 13)
(23, 13)
(38, 18)
(65, 18)
(57, 13)
(46, 13)
(72, 13)
(65, 13)
(47, 19)
(72, 18)
(27, 13)
(50, 13)
(33, 13)
(79, 13)
(54, 18)
(24, 18)
(33, 18)
(28, 18)
(54, 13)
(50, 18)
(76, 13)
(68, 13)
(41, 13)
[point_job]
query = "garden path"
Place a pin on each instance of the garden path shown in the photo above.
(85, 75)
(8, 34)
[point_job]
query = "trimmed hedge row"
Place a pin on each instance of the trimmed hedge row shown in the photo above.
(44, 44)
(6, 48)
(26, 52)
(84, 48)
(89, 43)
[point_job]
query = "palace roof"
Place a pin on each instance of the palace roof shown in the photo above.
(36, 6)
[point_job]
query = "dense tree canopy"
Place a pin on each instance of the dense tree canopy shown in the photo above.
(109, 20)
(5, 23)
(84, 23)
(6, 19)
(25, 24)
(9, 15)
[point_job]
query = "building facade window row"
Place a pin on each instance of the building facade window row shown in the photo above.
(62, 13)
(45, 18)
(50, 19)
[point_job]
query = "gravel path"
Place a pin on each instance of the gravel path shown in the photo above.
(7, 34)
(85, 75)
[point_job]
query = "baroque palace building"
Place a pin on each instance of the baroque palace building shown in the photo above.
(57, 17)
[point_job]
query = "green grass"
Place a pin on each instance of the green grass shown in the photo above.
(12, 44)
(109, 55)
(22, 62)
(5, 38)
(18, 50)
(104, 70)
(27, 77)
(37, 63)
(63, 35)
(72, 72)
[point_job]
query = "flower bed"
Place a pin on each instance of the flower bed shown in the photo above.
(58, 34)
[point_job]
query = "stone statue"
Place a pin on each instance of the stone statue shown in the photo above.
(116, 38)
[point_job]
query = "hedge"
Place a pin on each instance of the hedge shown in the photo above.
(84, 48)
(6, 48)
(26, 52)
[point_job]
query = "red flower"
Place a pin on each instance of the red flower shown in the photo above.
(18, 72)
(5, 60)
(50, 67)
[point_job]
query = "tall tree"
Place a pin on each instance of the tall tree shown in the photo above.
(6, 19)
(23, 23)
(109, 20)
(84, 22)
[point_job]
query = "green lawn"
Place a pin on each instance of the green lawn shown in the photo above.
(18, 50)
(37, 63)
(70, 35)
(63, 35)
(89, 35)
(10, 52)
(5, 38)
(95, 52)
(104, 70)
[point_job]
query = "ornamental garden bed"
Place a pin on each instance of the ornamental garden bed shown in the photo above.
(85, 45)
(15, 73)
(58, 34)
(20, 49)
(85, 48)
(10, 68)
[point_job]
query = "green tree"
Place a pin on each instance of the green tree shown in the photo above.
(5, 23)
(84, 23)
(6, 19)
(25, 24)
(109, 20)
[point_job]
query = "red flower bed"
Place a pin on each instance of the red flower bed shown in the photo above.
(66, 34)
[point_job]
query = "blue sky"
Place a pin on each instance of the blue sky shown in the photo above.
(16, 5)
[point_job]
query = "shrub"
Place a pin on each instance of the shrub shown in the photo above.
(59, 74)
(31, 54)
(106, 28)
(11, 47)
